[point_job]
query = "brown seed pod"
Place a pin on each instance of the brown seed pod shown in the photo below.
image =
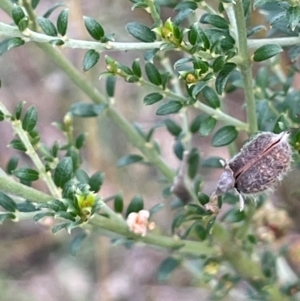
(260, 163)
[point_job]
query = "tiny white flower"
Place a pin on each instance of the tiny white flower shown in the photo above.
(138, 222)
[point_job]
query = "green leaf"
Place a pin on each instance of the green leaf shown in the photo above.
(166, 268)
(54, 205)
(215, 20)
(64, 215)
(268, 264)
(94, 28)
(48, 13)
(110, 85)
(222, 77)
(265, 52)
(17, 14)
(174, 128)
(224, 136)
(57, 42)
(152, 98)
(63, 172)
(47, 26)
(196, 123)
(129, 159)
(203, 198)
(83, 109)
(202, 39)
(7, 203)
(182, 15)
(219, 63)
(6, 216)
(40, 215)
(26, 207)
(8, 44)
(80, 141)
(186, 4)
(136, 205)
(82, 176)
(30, 119)
(62, 22)
(213, 162)
(26, 174)
(258, 3)
(156, 208)
(193, 163)
(2, 116)
(211, 97)
(12, 164)
(293, 16)
(234, 215)
(17, 144)
(119, 203)
(256, 29)
(76, 242)
(207, 125)
(195, 209)
(193, 34)
(23, 24)
(90, 59)
(96, 181)
(141, 32)
(153, 74)
(198, 88)
(34, 3)
(170, 107)
(178, 149)
(136, 68)
(58, 227)
(200, 231)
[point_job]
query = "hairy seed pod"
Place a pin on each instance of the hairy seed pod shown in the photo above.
(260, 163)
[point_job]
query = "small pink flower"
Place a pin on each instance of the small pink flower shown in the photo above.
(138, 222)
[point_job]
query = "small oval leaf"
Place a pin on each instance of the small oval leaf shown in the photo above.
(12, 164)
(173, 127)
(94, 28)
(26, 174)
(62, 22)
(30, 119)
(152, 98)
(207, 125)
(170, 107)
(136, 205)
(7, 203)
(63, 172)
(153, 74)
(222, 77)
(215, 20)
(265, 52)
(83, 109)
(76, 242)
(211, 97)
(224, 136)
(130, 159)
(90, 59)
(141, 32)
(119, 203)
(166, 268)
(17, 144)
(96, 181)
(17, 14)
(47, 26)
